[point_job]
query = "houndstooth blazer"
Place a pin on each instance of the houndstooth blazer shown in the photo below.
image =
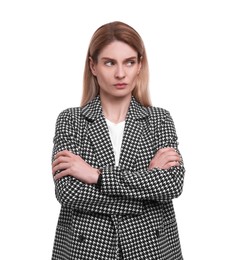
(132, 210)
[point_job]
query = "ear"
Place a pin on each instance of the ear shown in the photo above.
(140, 65)
(92, 66)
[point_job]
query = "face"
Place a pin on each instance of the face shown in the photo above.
(116, 70)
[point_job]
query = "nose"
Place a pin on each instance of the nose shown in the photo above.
(120, 72)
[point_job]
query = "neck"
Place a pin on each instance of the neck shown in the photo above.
(115, 109)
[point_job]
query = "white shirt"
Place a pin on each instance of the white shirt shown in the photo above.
(116, 134)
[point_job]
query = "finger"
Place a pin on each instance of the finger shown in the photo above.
(63, 153)
(60, 167)
(163, 150)
(61, 174)
(60, 159)
(171, 164)
(174, 157)
(166, 157)
(166, 150)
(165, 161)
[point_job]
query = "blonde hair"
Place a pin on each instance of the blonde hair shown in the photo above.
(103, 36)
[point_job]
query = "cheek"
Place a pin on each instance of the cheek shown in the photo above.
(102, 80)
(134, 77)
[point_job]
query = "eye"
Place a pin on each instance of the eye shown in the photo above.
(130, 63)
(109, 63)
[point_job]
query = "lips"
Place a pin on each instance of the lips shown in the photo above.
(120, 85)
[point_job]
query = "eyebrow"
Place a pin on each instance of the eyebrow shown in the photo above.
(130, 58)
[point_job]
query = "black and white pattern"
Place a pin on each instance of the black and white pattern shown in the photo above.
(132, 209)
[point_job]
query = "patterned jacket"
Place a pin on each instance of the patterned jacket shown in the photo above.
(132, 209)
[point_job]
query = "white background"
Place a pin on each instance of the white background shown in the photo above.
(191, 52)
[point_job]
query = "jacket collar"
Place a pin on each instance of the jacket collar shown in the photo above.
(134, 134)
(93, 109)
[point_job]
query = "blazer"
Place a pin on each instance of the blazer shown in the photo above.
(132, 210)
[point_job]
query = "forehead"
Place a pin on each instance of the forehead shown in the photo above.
(117, 50)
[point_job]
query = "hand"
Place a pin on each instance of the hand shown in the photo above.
(165, 158)
(69, 164)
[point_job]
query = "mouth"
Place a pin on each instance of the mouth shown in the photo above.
(120, 85)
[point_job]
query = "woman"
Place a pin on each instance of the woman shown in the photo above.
(116, 163)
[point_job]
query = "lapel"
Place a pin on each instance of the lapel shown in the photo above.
(136, 133)
(97, 132)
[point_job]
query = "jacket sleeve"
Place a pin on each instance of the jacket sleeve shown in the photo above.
(69, 191)
(156, 184)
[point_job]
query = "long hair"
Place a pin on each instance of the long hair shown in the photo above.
(102, 37)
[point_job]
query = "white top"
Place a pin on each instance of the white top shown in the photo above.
(116, 134)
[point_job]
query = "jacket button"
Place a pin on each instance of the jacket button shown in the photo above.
(80, 238)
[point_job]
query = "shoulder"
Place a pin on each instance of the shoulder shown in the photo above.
(89, 112)
(160, 117)
(69, 115)
(158, 112)
(71, 111)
